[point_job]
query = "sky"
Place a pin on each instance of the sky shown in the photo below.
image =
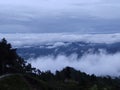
(59, 16)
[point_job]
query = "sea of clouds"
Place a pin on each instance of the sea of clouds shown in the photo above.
(100, 64)
(43, 38)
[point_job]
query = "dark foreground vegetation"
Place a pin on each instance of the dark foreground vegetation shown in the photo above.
(17, 74)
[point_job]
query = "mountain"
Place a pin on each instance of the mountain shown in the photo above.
(66, 79)
(67, 48)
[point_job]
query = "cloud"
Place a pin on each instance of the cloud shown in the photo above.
(60, 16)
(57, 44)
(88, 7)
(58, 38)
(101, 64)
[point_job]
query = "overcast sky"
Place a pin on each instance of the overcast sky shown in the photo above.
(83, 16)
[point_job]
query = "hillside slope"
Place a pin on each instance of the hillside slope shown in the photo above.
(21, 82)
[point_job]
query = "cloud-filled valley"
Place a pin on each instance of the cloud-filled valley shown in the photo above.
(97, 54)
(99, 64)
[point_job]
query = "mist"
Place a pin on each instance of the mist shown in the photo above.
(30, 39)
(101, 64)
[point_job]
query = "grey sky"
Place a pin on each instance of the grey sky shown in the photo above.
(99, 16)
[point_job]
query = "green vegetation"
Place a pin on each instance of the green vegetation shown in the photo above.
(69, 79)
(17, 74)
(10, 61)
(14, 82)
(21, 82)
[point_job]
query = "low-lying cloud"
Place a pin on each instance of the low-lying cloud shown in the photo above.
(101, 64)
(57, 38)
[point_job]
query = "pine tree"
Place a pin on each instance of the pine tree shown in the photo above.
(10, 61)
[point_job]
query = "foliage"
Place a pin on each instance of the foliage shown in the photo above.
(13, 83)
(69, 79)
(10, 61)
(22, 82)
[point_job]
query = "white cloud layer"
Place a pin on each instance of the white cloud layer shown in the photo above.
(99, 64)
(57, 38)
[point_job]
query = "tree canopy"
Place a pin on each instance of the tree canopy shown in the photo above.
(10, 61)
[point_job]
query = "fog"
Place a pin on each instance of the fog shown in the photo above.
(101, 64)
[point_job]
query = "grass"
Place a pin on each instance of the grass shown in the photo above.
(14, 82)
(26, 82)
(21, 82)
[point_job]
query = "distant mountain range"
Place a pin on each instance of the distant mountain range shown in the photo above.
(67, 48)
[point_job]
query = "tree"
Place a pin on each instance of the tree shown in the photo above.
(4, 55)
(94, 87)
(10, 61)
